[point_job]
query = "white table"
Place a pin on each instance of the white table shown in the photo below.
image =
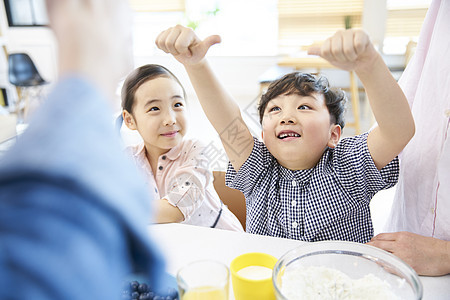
(181, 244)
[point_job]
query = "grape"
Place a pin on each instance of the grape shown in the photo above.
(143, 288)
(135, 290)
(134, 285)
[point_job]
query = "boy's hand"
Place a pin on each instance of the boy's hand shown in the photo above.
(348, 50)
(184, 44)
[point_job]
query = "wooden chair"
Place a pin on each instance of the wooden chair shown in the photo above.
(232, 198)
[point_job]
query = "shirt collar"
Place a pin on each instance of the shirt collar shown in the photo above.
(140, 150)
(172, 154)
(175, 152)
(139, 155)
(298, 175)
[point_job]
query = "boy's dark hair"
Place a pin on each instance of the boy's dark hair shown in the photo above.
(139, 76)
(306, 84)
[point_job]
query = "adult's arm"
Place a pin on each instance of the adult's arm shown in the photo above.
(73, 209)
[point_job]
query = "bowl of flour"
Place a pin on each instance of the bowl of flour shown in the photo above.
(343, 270)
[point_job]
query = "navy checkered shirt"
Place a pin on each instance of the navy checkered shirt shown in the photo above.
(327, 202)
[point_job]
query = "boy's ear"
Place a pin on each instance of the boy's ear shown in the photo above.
(129, 120)
(335, 135)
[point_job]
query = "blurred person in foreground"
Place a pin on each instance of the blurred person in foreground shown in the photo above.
(419, 224)
(73, 209)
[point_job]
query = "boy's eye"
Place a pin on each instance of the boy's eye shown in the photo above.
(154, 108)
(179, 104)
(275, 108)
(303, 107)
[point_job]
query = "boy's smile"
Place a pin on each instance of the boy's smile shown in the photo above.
(288, 135)
(297, 130)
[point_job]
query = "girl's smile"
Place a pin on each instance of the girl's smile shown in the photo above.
(170, 134)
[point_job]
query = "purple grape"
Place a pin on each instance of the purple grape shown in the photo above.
(143, 288)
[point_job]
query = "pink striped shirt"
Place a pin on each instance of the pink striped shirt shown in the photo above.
(422, 200)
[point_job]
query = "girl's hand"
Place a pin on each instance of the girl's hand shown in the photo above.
(348, 50)
(184, 44)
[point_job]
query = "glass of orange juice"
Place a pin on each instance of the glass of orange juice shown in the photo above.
(203, 280)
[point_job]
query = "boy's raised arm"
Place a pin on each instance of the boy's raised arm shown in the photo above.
(352, 50)
(219, 106)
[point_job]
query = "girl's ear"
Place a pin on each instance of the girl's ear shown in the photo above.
(335, 135)
(129, 120)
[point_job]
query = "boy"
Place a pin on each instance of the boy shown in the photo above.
(303, 182)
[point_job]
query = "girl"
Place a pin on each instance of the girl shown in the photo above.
(153, 103)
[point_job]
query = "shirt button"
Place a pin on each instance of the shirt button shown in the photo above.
(294, 224)
(294, 203)
(432, 211)
(163, 157)
(160, 167)
(294, 183)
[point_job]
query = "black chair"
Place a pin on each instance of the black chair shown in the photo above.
(24, 75)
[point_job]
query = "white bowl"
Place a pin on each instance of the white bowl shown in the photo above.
(302, 270)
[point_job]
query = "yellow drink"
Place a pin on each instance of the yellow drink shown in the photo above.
(206, 293)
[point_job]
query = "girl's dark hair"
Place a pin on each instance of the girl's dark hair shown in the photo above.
(306, 84)
(139, 76)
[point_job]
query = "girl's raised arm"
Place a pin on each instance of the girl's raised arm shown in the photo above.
(219, 106)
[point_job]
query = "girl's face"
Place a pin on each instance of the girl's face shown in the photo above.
(159, 115)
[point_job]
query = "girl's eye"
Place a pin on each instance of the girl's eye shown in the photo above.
(275, 108)
(154, 108)
(179, 104)
(303, 107)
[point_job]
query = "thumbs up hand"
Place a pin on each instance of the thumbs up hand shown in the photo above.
(184, 44)
(347, 49)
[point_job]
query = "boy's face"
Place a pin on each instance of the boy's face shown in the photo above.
(297, 129)
(159, 114)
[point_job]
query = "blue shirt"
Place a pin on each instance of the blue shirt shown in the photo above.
(73, 208)
(327, 202)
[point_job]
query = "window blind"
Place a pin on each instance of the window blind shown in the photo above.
(405, 22)
(306, 21)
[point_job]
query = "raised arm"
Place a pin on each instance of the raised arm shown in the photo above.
(220, 108)
(352, 50)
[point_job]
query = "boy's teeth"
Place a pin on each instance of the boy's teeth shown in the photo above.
(284, 135)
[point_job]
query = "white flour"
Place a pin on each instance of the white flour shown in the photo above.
(325, 283)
